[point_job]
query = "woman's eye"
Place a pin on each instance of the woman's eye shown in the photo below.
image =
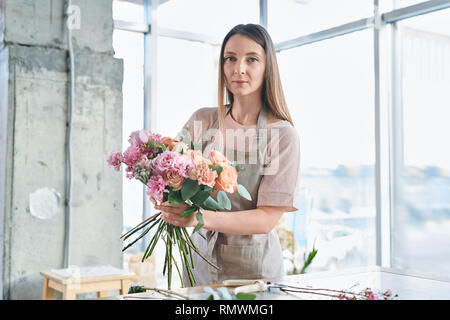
(253, 59)
(229, 58)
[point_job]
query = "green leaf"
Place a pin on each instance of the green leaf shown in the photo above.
(245, 296)
(162, 146)
(175, 197)
(136, 289)
(206, 188)
(218, 169)
(238, 169)
(243, 192)
(200, 197)
(223, 200)
(200, 221)
(153, 144)
(212, 204)
(189, 189)
(187, 212)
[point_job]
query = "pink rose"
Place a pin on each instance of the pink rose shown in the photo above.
(174, 179)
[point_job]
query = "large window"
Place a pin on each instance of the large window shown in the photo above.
(421, 226)
(330, 97)
(292, 18)
(186, 81)
(129, 46)
(213, 18)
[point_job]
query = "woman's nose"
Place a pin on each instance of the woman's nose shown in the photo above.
(240, 68)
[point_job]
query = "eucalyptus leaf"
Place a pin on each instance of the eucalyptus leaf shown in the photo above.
(212, 204)
(243, 192)
(223, 200)
(178, 148)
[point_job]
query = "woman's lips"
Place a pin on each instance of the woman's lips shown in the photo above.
(240, 82)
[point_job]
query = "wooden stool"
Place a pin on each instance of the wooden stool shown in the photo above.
(88, 279)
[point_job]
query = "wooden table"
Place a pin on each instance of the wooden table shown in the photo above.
(98, 279)
(409, 285)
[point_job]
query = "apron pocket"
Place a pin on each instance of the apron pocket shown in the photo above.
(239, 262)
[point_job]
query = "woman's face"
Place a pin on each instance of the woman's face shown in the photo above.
(244, 65)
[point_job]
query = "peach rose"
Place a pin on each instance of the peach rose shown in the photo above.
(227, 181)
(219, 159)
(173, 179)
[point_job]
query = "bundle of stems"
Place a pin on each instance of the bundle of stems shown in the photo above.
(172, 236)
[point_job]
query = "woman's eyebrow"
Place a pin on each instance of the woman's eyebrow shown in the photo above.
(247, 54)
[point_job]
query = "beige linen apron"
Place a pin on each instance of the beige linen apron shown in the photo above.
(238, 256)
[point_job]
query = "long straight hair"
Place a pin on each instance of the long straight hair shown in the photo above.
(272, 91)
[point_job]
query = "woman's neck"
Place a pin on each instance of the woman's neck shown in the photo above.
(245, 110)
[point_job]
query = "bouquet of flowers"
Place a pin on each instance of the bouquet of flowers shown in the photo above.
(177, 173)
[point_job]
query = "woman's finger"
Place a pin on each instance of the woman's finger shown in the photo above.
(175, 210)
(167, 217)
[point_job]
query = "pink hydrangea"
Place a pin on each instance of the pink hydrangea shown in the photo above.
(115, 160)
(174, 161)
(156, 187)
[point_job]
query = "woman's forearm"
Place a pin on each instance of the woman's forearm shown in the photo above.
(255, 221)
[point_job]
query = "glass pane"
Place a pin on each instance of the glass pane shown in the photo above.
(132, 11)
(212, 17)
(421, 227)
(331, 101)
(187, 80)
(129, 46)
(290, 19)
(389, 5)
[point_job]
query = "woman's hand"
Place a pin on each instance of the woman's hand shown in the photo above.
(173, 214)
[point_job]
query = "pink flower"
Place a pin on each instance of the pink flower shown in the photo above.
(132, 155)
(156, 187)
(115, 160)
(174, 161)
(142, 137)
(174, 179)
(141, 140)
(146, 164)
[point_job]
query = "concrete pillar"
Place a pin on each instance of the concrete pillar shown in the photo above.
(33, 114)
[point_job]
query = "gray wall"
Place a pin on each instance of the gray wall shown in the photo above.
(34, 73)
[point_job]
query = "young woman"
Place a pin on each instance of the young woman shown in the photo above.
(243, 242)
